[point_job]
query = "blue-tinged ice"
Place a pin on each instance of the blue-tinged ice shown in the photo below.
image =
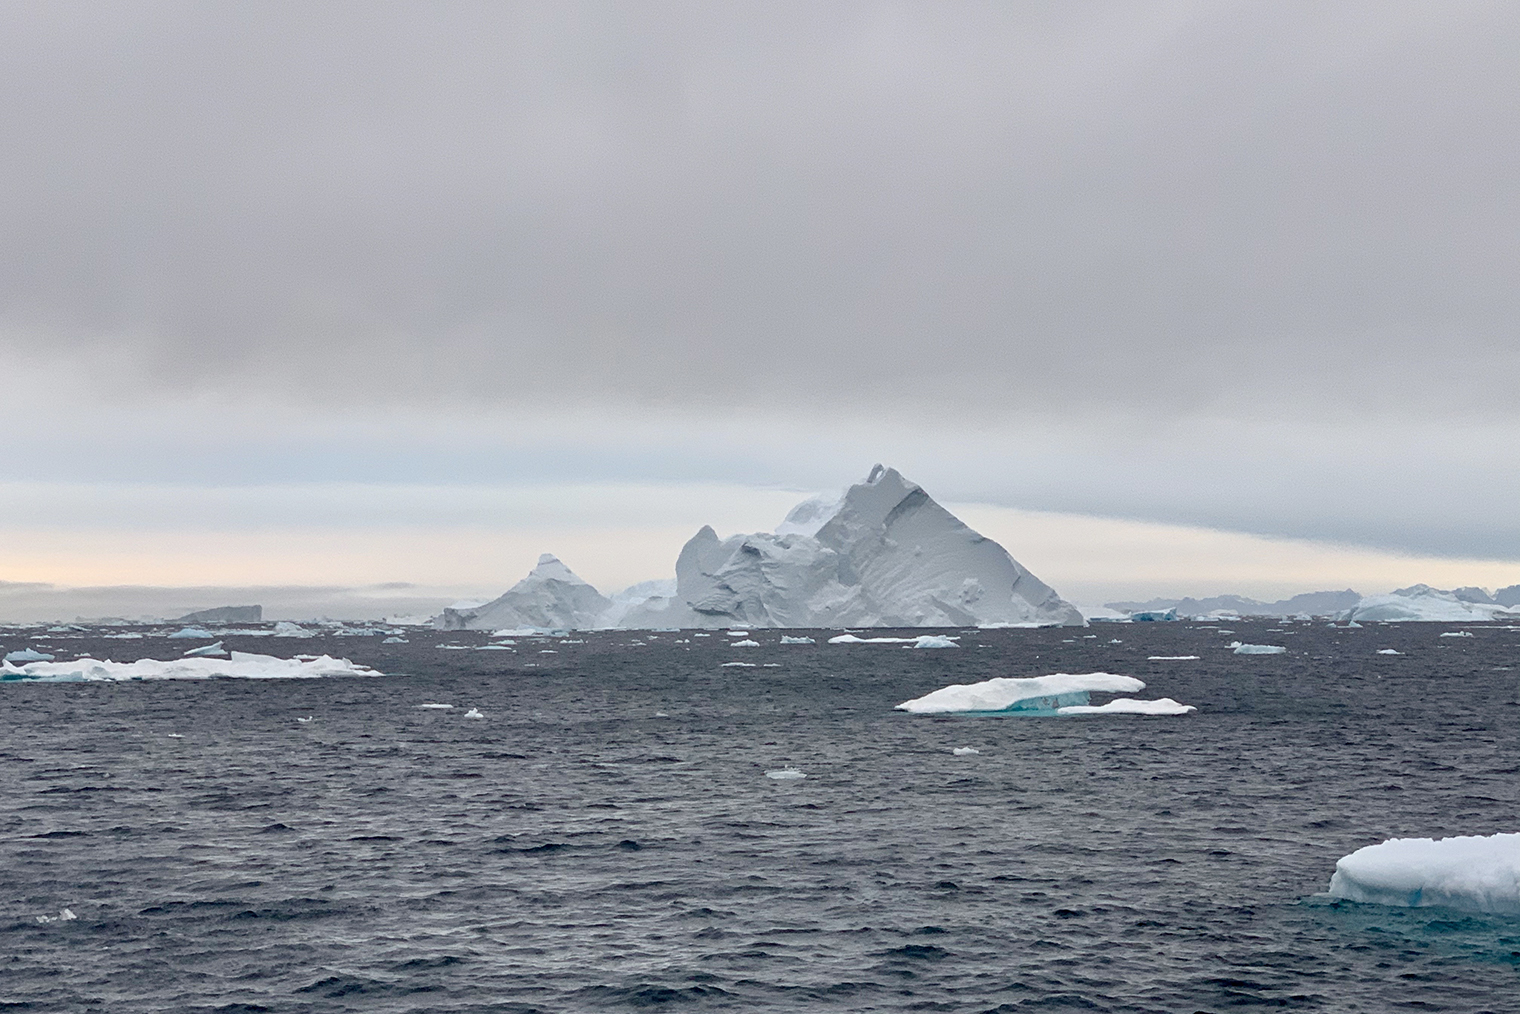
(1473, 873)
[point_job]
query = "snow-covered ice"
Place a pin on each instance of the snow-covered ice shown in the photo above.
(207, 651)
(240, 665)
(474, 713)
(551, 597)
(193, 632)
(746, 643)
(1129, 706)
(1036, 693)
(1456, 633)
(1473, 873)
(788, 639)
(1171, 658)
(738, 665)
(435, 707)
(1422, 602)
(28, 655)
(287, 629)
(1389, 651)
(921, 641)
(965, 751)
(935, 641)
(1257, 649)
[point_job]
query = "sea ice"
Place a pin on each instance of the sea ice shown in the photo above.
(193, 632)
(965, 751)
(435, 707)
(28, 655)
(207, 651)
(738, 665)
(1036, 693)
(1257, 649)
(785, 775)
(1171, 658)
(935, 641)
(1129, 706)
(287, 629)
(1389, 651)
(1477, 874)
(746, 643)
(474, 713)
(1457, 633)
(241, 665)
(921, 641)
(394, 640)
(786, 639)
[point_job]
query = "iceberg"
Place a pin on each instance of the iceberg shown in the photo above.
(193, 632)
(28, 655)
(287, 629)
(1030, 694)
(225, 614)
(241, 665)
(1421, 602)
(921, 641)
(551, 597)
(1473, 873)
(884, 554)
(787, 639)
(208, 651)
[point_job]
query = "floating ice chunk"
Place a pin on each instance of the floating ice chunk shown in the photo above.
(746, 643)
(495, 647)
(1478, 874)
(395, 640)
(64, 915)
(208, 651)
(240, 665)
(436, 707)
(965, 751)
(123, 637)
(1129, 706)
(935, 641)
(785, 775)
(1171, 658)
(1389, 651)
(192, 632)
(28, 655)
(308, 718)
(742, 665)
(474, 713)
(1457, 633)
(287, 629)
(737, 633)
(921, 641)
(1037, 693)
(1257, 649)
(796, 640)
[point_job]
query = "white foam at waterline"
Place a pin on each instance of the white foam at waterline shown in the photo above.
(1257, 649)
(785, 775)
(240, 665)
(1002, 693)
(474, 713)
(1470, 872)
(965, 751)
(1171, 658)
(1129, 706)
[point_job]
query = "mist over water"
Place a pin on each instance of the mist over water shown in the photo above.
(606, 838)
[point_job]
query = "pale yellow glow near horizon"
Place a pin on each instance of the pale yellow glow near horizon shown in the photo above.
(1086, 559)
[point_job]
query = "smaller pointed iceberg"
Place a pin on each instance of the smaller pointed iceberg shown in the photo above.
(551, 597)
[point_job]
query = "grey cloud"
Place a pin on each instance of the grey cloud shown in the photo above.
(1157, 209)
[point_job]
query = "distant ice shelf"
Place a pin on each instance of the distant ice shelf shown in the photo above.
(1472, 873)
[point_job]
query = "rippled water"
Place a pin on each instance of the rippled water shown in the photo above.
(607, 838)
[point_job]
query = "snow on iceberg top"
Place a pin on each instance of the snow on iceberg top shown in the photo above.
(1477, 874)
(1002, 693)
(241, 665)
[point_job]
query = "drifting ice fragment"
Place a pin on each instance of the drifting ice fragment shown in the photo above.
(1389, 651)
(935, 641)
(27, 655)
(1257, 649)
(394, 640)
(241, 665)
(208, 651)
(965, 751)
(1171, 658)
(1477, 874)
(1035, 694)
(738, 665)
(921, 641)
(192, 632)
(785, 775)
(474, 713)
(435, 707)
(1457, 633)
(1130, 706)
(746, 643)
(287, 629)
(796, 640)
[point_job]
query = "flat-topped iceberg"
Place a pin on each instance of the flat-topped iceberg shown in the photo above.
(1031, 694)
(240, 665)
(1473, 873)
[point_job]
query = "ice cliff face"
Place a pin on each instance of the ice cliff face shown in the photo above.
(551, 597)
(883, 554)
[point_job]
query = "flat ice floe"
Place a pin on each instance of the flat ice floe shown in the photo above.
(241, 665)
(921, 641)
(1257, 649)
(1171, 658)
(1473, 873)
(1057, 694)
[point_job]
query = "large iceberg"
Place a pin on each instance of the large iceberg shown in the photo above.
(883, 554)
(241, 665)
(551, 597)
(1477, 874)
(1422, 602)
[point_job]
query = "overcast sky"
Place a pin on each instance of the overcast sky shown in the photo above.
(1234, 266)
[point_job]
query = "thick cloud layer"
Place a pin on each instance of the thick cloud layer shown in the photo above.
(1244, 265)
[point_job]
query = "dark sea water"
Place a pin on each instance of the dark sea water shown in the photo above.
(607, 839)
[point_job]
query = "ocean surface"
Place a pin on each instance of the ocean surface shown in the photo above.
(606, 838)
